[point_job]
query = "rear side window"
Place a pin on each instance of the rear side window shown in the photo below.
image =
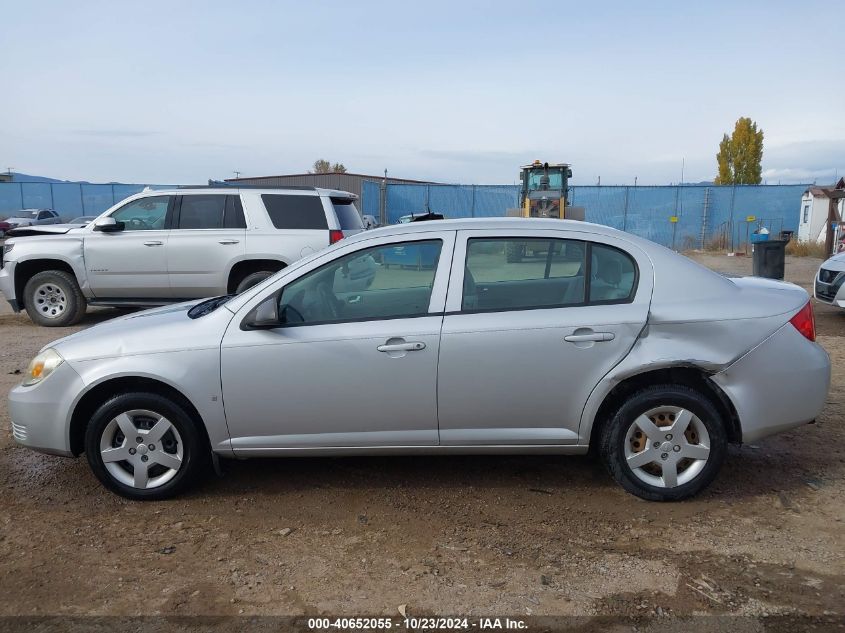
(211, 212)
(522, 274)
(295, 212)
(613, 275)
(509, 274)
(201, 212)
(347, 214)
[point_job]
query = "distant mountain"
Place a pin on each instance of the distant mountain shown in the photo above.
(19, 177)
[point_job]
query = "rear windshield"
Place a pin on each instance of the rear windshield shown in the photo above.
(347, 214)
(295, 212)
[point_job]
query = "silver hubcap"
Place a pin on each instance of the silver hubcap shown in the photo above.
(667, 447)
(141, 448)
(50, 300)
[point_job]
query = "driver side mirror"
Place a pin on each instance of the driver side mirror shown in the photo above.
(108, 225)
(264, 316)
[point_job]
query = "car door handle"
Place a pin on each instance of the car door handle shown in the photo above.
(586, 338)
(154, 243)
(414, 346)
(228, 242)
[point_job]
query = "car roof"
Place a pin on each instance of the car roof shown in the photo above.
(475, 224)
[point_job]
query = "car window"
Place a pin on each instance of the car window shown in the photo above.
(201, 212)
(145, 214)
(382, 282)
(44, 215)
(613, 274)
(295, 212)
(347, 214)
(233, 216)
(510, 274)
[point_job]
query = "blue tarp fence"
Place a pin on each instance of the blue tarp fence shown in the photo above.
(705, 213)
(69, 199)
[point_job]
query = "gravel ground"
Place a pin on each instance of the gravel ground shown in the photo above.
(448, 535)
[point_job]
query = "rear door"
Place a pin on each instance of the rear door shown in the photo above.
(208, 237)
(526, 339)
(131, 263)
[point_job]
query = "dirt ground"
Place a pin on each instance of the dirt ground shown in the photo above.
(444, 535)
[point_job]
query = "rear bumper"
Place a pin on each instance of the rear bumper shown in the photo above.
(779, 385)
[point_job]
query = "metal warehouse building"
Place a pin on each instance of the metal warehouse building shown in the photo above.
(332, 180)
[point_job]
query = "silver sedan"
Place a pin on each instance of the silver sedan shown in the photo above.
(594, 338)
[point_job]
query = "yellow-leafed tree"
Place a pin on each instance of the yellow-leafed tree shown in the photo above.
(740, 155)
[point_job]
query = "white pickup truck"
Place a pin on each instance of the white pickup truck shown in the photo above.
(165, 246)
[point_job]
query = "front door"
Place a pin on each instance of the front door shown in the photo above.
(131, 263)
(532, 324)
(353, 360)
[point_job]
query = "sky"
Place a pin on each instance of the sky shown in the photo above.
(180, 92)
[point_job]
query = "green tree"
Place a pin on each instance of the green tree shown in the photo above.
(740, 155)
(323, 166)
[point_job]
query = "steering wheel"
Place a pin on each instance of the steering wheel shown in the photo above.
(329, 300)
(138, 223)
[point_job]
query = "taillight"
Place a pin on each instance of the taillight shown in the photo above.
(335, 236)
(805, 322)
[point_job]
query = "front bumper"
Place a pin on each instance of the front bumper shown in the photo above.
(7, 284)
(41, 413)
(829, 286)
(779, 385)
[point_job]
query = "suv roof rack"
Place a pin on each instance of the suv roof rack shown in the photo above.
(219, 184)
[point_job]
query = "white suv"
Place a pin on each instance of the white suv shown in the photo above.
(165, 246)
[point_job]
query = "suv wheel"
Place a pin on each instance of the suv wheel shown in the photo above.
(52, 298)
(144, 446)
(252, 279)
(666, 443)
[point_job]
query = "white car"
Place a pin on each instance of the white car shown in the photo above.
(166, 246)
(829, 281)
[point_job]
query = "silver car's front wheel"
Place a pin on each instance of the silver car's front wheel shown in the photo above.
(141, 448)
(665, 442)
(145, 445)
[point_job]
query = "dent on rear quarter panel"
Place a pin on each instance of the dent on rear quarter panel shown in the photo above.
(698, 319)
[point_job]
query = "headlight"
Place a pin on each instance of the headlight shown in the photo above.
(7, 248)
(42, 366)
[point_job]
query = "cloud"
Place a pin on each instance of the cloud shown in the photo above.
(114, 133)
(805, 161)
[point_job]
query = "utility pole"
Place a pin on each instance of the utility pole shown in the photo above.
(237, 174)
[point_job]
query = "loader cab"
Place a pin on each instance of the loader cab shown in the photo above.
(545, 190)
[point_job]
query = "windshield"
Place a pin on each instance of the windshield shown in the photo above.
(555, 180)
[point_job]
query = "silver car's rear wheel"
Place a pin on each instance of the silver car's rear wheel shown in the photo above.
(141, 448)
(665, 442)
(146, 445)
(667, 446)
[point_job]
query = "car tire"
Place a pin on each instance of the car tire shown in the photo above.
(171, 455)
(52, 298)
(642, 452)
(253, 279)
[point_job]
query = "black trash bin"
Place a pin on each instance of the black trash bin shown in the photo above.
(769, 258)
